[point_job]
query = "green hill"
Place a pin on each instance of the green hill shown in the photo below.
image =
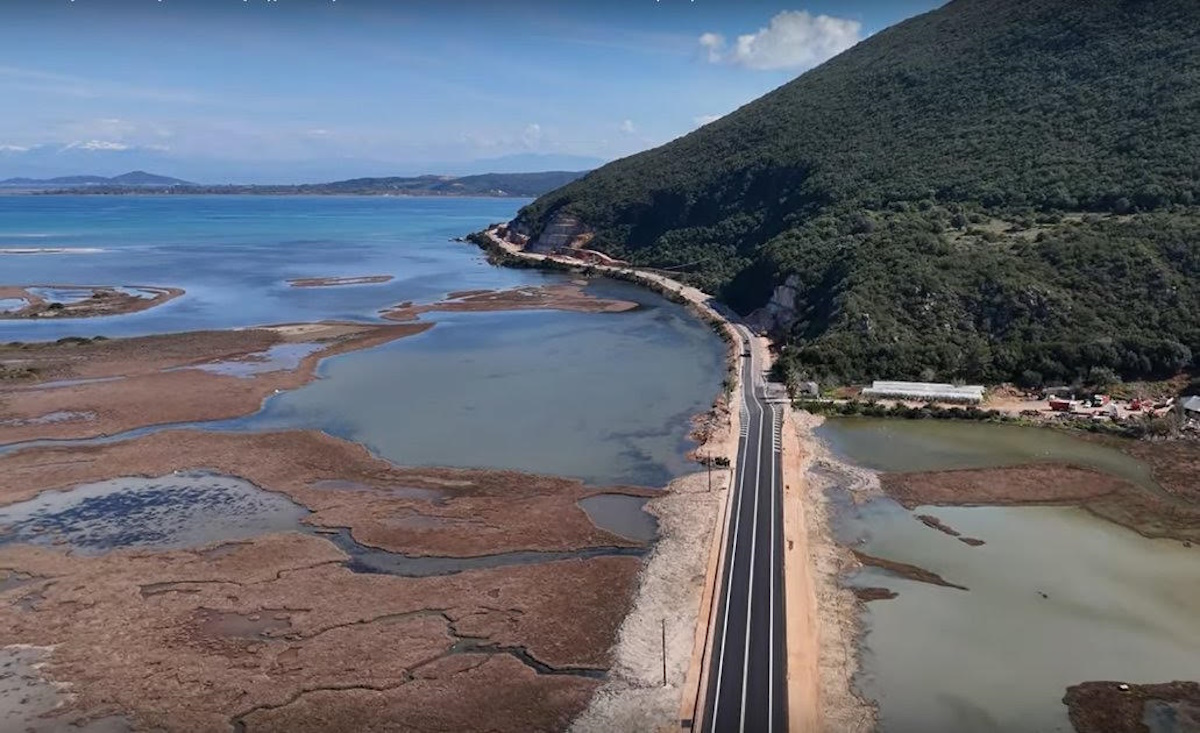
(998, 189)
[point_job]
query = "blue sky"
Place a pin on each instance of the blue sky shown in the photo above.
(305, 90)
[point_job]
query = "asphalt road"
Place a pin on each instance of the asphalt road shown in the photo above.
(747, 676)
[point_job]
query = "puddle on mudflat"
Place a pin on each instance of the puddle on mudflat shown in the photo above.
(277, 358)
(169, 512)
(12, 579)
(49, 418)
(622, 515)
(73, 382)
(1166, 717)
(9, 305)
(261, 625)
(28, 700)
(365, 559)
(434, 496)
(194, 508)
(66, 296)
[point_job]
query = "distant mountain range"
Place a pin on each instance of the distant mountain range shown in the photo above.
(486, 184)
(133, 178)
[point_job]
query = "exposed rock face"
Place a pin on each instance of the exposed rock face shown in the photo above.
(561, 231)
(780, 311)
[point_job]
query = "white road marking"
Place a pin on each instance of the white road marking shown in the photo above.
(753, 550)
(741, 486)
(771, 653)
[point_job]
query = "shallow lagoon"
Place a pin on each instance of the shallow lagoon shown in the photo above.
(603, 397)
(234, 254)
(1056, 596)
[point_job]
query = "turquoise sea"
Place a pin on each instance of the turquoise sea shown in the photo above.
(603, 397)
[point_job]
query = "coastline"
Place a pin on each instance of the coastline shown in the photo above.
(529, 638)
(823, 618)
(838, 621)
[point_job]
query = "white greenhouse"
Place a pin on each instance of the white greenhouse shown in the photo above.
(925, 391)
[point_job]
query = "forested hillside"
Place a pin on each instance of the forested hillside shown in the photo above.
(998, 189)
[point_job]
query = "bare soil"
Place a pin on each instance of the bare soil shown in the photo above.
(105, 300)
(1103, 707)
(566, 296)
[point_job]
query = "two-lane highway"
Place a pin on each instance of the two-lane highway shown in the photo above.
(747, 680)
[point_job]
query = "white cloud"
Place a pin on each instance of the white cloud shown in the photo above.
(705, 119)
(794, 39)
(714, 44)
(13, 149)
(96, 145)
(531, 137)
(628, 127)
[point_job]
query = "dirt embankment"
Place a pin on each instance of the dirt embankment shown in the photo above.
(1115, 707)
(78, 388)
(837, 616)
(1172, 513)
(278, 633)
(88, 300)
(566, 296)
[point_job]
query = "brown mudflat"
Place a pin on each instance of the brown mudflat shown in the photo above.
(904, 570)
(1173, 512)
(470, 512)
(278, 633)
(328, 282)
(1103, 707)
(866, 595)
(111, 386)
(565, 296)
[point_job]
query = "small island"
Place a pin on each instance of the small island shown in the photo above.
(80, 301)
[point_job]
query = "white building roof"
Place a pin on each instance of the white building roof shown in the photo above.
(925, 390)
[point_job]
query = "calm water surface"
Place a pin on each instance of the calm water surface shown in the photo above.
(937, 445)
(603, 397)
(234, 254)
(1057, 596)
